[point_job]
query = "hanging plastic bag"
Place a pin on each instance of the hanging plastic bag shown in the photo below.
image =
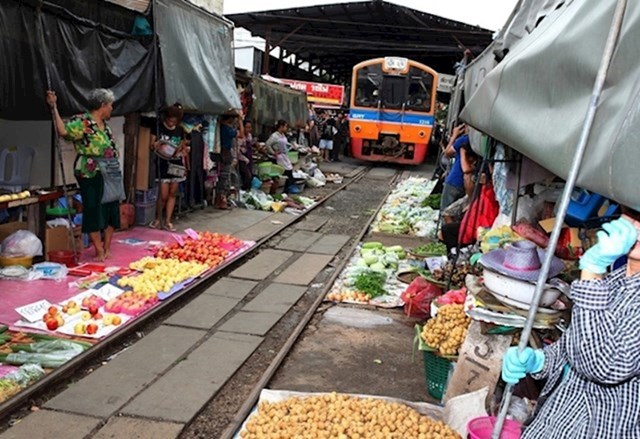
(21, 243)
(418, 296)
(482, 213)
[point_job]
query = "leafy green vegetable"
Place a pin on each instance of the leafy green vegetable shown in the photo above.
(432, 248)
(432, 201)
(371, 283)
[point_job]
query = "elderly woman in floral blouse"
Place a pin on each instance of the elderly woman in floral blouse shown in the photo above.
(92, 139)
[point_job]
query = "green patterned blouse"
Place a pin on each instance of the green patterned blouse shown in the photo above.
(89, 142)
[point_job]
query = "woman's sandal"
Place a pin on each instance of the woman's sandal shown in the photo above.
(170, 227)
(154, 224)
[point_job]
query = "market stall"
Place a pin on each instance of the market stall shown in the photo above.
(63, 311)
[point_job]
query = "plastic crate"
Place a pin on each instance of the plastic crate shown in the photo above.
(294, 156)
(146, 197)
(145, 213)
(436, 374)
(269, 170)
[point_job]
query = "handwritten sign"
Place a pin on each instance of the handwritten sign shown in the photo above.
(33, 312)
(479, 364)
(178, 239)
(108, 292)
(192, 234)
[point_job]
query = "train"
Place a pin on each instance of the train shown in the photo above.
(392, 108)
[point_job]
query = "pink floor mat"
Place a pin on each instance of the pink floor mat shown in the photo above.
(14, 294)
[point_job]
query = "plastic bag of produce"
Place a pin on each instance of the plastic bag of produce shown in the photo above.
(417, 298)
(21, 243)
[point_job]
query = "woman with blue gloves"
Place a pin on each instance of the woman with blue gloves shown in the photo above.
(593, 371)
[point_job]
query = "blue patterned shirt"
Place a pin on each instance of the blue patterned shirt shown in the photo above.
(600, 396)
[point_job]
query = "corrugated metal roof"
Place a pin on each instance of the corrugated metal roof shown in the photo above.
(136, 5)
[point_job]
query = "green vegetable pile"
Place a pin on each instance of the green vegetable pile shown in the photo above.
(432, 201)
(432, 248)
(371, 283)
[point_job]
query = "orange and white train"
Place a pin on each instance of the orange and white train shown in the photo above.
(392, 110)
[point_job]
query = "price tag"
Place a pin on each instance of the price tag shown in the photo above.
(108, 292)
(192, 234)
(178, 239)
(33, 312)
(434, 263)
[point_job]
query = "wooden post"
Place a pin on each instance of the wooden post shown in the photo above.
(131, 125)
(267, 52)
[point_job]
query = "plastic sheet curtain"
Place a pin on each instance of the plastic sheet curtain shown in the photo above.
(197, 59)
(536, 98)
(83, 56)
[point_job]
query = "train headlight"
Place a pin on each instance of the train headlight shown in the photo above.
(357, 128)
(422, 134)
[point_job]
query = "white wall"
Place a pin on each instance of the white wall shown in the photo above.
(244, 57)
(215, 6)
(37, 135)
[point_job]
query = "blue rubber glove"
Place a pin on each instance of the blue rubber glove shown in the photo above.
(515, 367)
(616, 240)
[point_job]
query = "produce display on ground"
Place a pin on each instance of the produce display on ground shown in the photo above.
(456, 273)
(430, 249)
(447, 331)
(102, 301)
(370, 276)
(341, 416)
(403, 212)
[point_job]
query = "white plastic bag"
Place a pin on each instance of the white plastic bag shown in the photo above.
(21, 243)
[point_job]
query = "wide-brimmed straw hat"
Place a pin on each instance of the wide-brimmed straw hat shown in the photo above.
(520, 260)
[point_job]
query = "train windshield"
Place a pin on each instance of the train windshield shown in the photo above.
(368, 86)
(394, 91)
(420, 88)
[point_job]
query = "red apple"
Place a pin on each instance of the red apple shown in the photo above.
(92, 328)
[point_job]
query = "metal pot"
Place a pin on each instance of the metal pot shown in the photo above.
(519, 293)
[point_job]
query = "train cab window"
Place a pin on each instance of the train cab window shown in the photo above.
(420, 89)
(394, 91)
(368, 86)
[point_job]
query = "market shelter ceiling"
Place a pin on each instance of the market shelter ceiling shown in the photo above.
(335, 37)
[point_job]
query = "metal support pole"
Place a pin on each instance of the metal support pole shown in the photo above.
(56, 135)
(516, 195)
(610, 46)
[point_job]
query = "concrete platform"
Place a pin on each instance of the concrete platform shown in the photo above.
(254, 323)
(182, 392)
(132, 428)
(260, 267)
(50, 424)
(329, 244)
(312, 222)
(300, 241)
(276, 298)
(304, 269)
(203, 312)
(107, 389)
(233, 288)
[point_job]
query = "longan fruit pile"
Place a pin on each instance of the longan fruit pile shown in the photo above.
(342, 417)
(448, 330)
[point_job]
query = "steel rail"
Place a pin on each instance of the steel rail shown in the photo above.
(197, 287)
(250, 402)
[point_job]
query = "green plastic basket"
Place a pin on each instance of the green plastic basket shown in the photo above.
(294, 156)
(436, 374)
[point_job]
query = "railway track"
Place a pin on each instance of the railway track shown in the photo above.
(94, 357)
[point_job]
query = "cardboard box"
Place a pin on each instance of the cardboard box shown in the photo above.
(143, 159)
(57, 238)
(9, 228)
